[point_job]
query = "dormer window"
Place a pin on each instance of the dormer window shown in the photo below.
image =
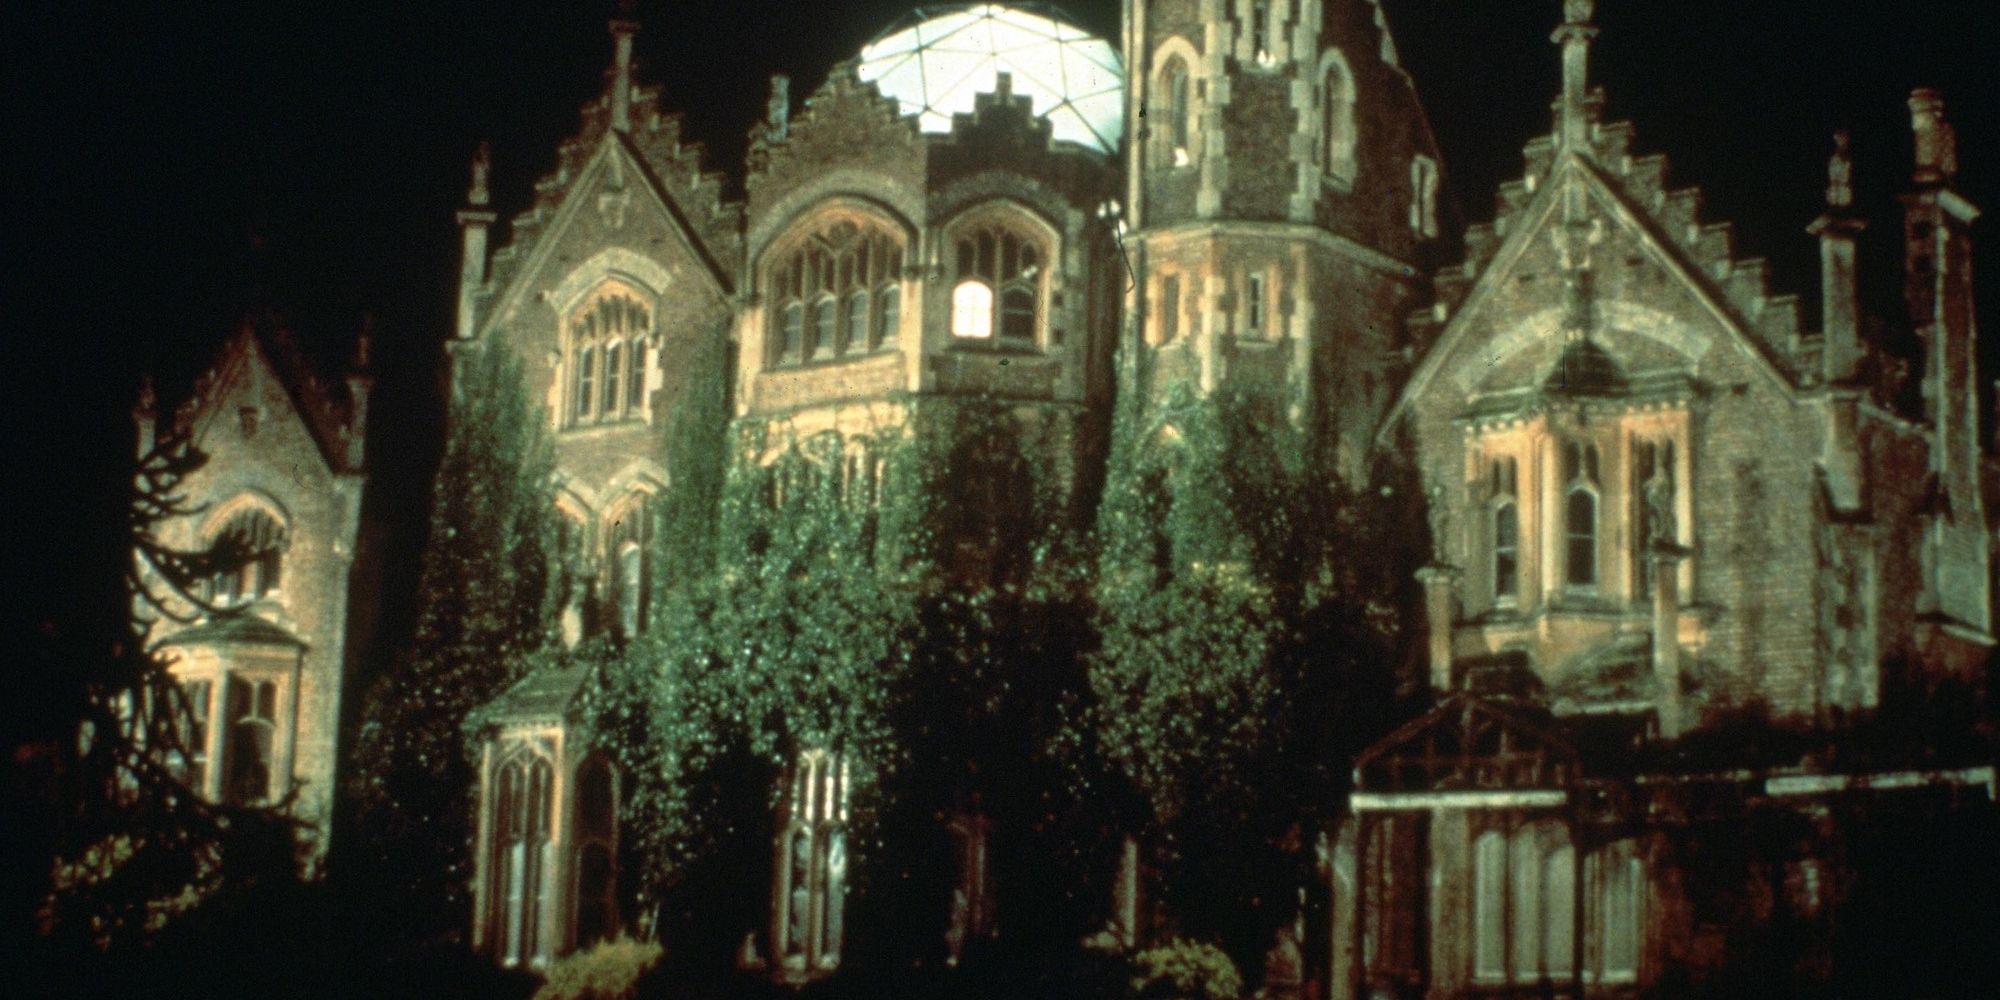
(608, 336)
(835, 293)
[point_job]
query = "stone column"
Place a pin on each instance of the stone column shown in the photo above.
(1664, 560)
(1440, 610)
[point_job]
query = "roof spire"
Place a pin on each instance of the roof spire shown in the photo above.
(624, 25)
(1937, 141)
(1840, 173)
(1574, 36)
(482, 169)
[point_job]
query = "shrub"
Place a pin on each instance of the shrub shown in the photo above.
(1185, 970)
(608, 971)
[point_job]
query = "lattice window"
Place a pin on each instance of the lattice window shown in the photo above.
(998, 282)
(608, 339)
(836, 292)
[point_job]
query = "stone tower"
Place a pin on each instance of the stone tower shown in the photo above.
(1282, 182)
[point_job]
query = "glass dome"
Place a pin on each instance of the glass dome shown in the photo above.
(935, 61)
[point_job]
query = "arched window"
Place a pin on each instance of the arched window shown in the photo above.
(820, 290)
(1178, 112)
(596, 837)
(249, 753)
(811, 866)
(1489, 906)
(1580, 514)
(629, 535)
(1337, 134)
(1506, 541)
(521, 831)
(999, 282)
(607, 335)
(248, 553)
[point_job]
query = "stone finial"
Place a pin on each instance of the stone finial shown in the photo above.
(778, 112)
(1937, 141)
(1840, 173)
(482, 170)
(624, 24)
(1574, 37)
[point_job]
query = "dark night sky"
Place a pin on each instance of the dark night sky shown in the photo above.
(175, 166)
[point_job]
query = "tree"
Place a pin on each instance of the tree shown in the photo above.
(486, 602)
(138, 853)
(1234, 626)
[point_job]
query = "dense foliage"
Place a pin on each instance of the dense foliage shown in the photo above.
(1242, 649)
(486, 601)
(136, 851)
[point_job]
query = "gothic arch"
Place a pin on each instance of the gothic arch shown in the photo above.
(1339, 142)
(1179, 111)
(244, 500)
(645, 274)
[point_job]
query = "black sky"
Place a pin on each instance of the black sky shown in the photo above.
(171, 165)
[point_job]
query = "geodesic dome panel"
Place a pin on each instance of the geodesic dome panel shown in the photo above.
(935, 65)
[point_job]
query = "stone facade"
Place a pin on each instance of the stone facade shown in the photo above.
(261, 647)
(1659, 505)
(1661, 508)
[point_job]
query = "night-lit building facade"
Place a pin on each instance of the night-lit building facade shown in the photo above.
(1659, 504)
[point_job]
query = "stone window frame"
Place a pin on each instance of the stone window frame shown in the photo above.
(1579, 480)
(519, 853)
(1177, 105)
(814, 274)
(628, 533)
(969, 262)
(808, 887)
(259, 575)
(1503, 508)
(220, 753)
(1170, 307)
(607, 354)
(589, 837)
(1339, 138)
(1257, 311)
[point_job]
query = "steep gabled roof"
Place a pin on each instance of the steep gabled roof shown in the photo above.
(263, 341)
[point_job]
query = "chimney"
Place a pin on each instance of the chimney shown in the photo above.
(360, 384)
(145, 415)
(1937, 142)
(1440, 593)
(473, 221)
(1838, 230)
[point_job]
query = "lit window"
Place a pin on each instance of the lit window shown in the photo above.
(1253, 304)
(972, 310)
(820, 290)
(1337, 121)
(606, 334)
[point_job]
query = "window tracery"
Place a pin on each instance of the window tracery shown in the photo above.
(1177, 112)
(608, 337)
(249, 553)
(836, 292)
(998, 282)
